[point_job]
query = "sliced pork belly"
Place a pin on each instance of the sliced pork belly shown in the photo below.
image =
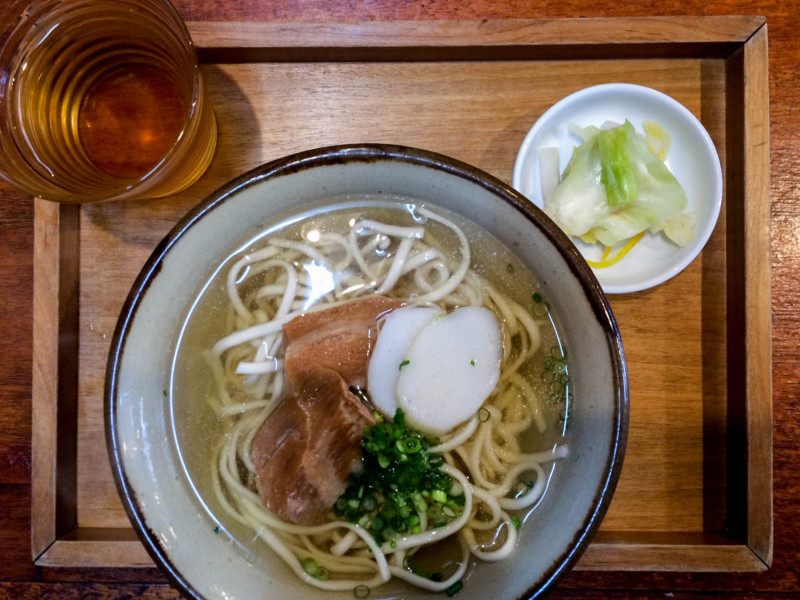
(339, 338)
(308, 447)
(363, 311)
(306, 450)
(345, 352)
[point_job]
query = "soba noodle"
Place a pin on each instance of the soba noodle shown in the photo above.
(285, 278)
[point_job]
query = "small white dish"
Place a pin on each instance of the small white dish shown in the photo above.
(692, 158)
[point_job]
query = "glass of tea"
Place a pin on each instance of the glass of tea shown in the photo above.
(101, 100)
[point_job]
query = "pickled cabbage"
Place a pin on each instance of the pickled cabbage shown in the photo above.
(614, 187)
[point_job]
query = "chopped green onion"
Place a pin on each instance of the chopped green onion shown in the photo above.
(409, 445)
(216, 529)
(361, 591)
(400, 480)
(399, 524)
(455, 588)
(472, 362)
(310, 566)
(323, 574)
(443, 483)
(419, 571)
(516, 523)
(556, 378)
(484, 415)
(439, 496)
(403, 364)
(541, 307)
(510, 268)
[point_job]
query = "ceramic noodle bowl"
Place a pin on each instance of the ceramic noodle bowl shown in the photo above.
(170, 511)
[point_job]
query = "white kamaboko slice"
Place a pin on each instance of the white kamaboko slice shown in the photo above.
(398, 331)
(450, 369)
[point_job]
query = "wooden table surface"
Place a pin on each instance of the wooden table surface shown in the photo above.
(20, 578)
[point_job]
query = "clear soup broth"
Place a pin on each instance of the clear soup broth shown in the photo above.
(328, 255)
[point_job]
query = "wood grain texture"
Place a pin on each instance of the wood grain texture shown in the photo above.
(97, 553)
(45, 385)
(16, 267)
(781, 581)
(15, 532)
(68, 591)
(75, 591)
(675, 477)
(667, 379)
(728, 30)
(473, 40)
(758, 338)
(54, 373)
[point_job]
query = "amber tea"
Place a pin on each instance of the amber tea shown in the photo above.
(101, 100)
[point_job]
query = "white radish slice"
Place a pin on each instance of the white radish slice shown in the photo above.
(399, 329)
(549, 170)
(452, 367)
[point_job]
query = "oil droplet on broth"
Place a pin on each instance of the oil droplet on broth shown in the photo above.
(130, 119)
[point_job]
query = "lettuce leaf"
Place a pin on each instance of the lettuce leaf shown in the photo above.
(616, 167)
(614, 187)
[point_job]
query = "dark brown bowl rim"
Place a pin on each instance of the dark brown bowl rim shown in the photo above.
(369, 153)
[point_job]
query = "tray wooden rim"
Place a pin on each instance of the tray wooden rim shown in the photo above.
(740, 40)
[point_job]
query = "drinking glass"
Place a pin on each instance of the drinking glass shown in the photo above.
(101, 100)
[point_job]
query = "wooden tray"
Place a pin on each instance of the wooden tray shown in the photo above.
(696, 489)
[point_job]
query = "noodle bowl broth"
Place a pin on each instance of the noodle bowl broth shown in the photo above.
(506, 455)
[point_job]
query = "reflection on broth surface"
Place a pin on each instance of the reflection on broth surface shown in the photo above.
(287, 445)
